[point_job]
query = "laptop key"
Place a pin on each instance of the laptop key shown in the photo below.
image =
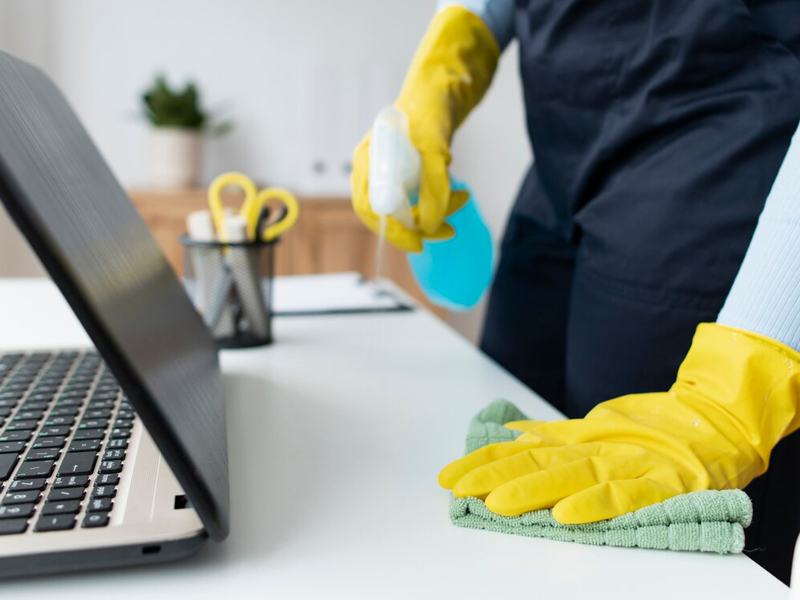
(55, 523)
(120, 433)
(120, 443)
(89, 434)
(11, 526)
(11, 447)
(53, 376)
(93, 424)
(55, 421)
(110, 466)
(106, 479)
(96, 519)
(16, 387)
(97, 413)
(19, 382)
(40, 398)
(53, 431)
(25, 374)
(15, 436)
(35, 468)
(78, 463)
(28, 484)
(49, 442)
(14, 511)
(69, 402)
(98, 505)
(13, 497)
(62, 494)
(102, 403)
(46, 388)
(43, 454)
(30, 414)
(73, 481)
(65, 411)
(80, 445)
(21, 424)
(104, 491)
(81, 375)
(69, 507)
(7, 464)
(114, 455)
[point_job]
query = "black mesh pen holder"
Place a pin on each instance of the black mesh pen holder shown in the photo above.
(231, 287)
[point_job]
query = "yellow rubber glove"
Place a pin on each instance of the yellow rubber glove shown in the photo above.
(737, 394)
(451, 71)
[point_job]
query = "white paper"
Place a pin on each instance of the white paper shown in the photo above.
(330, 292)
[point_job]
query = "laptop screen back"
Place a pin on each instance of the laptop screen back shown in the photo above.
(65, 200)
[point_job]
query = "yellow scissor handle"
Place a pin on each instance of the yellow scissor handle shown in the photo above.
(274, 230)
(215, 199)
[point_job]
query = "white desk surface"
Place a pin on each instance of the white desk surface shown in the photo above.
(336, 434)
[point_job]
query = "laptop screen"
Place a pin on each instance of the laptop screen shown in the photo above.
(65, 200)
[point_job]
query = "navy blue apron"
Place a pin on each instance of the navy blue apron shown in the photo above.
(657, 128)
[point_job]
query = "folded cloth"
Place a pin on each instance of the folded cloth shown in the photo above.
(704, 521)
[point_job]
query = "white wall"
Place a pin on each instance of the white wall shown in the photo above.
(18, 20)
(301, 79)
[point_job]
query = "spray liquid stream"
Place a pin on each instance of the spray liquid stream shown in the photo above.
(379, 250)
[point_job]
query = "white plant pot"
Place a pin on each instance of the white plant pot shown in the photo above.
(175, 157)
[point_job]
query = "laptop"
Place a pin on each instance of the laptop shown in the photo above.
(117, 454)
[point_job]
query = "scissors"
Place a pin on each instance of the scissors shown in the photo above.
(252, 208)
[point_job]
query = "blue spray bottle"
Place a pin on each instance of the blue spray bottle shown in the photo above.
(454, 273)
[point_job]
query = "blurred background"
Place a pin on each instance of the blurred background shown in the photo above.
(300, 82)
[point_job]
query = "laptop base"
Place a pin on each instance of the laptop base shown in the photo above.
(99, 558)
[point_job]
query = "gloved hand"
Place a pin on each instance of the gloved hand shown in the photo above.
(451, 71)
(737, 394)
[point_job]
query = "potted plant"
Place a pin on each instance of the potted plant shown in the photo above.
(179, 124)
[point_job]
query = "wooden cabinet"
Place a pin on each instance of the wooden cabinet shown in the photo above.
(328, 237)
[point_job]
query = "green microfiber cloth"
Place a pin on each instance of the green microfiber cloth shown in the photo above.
(705, 521)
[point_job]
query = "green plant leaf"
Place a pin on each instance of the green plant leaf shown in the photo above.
(166, 107)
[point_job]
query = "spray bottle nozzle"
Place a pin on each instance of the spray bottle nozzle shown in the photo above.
(394, 166)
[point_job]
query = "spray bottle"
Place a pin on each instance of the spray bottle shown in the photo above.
(454, 273)
(394, 167)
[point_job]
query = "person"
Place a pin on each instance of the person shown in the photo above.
(657, 129)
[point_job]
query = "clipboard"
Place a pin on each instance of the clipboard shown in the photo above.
(332, 294)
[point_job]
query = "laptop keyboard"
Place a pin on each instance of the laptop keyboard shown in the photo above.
(64, 429)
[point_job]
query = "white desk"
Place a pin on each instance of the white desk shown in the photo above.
(336, 435)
